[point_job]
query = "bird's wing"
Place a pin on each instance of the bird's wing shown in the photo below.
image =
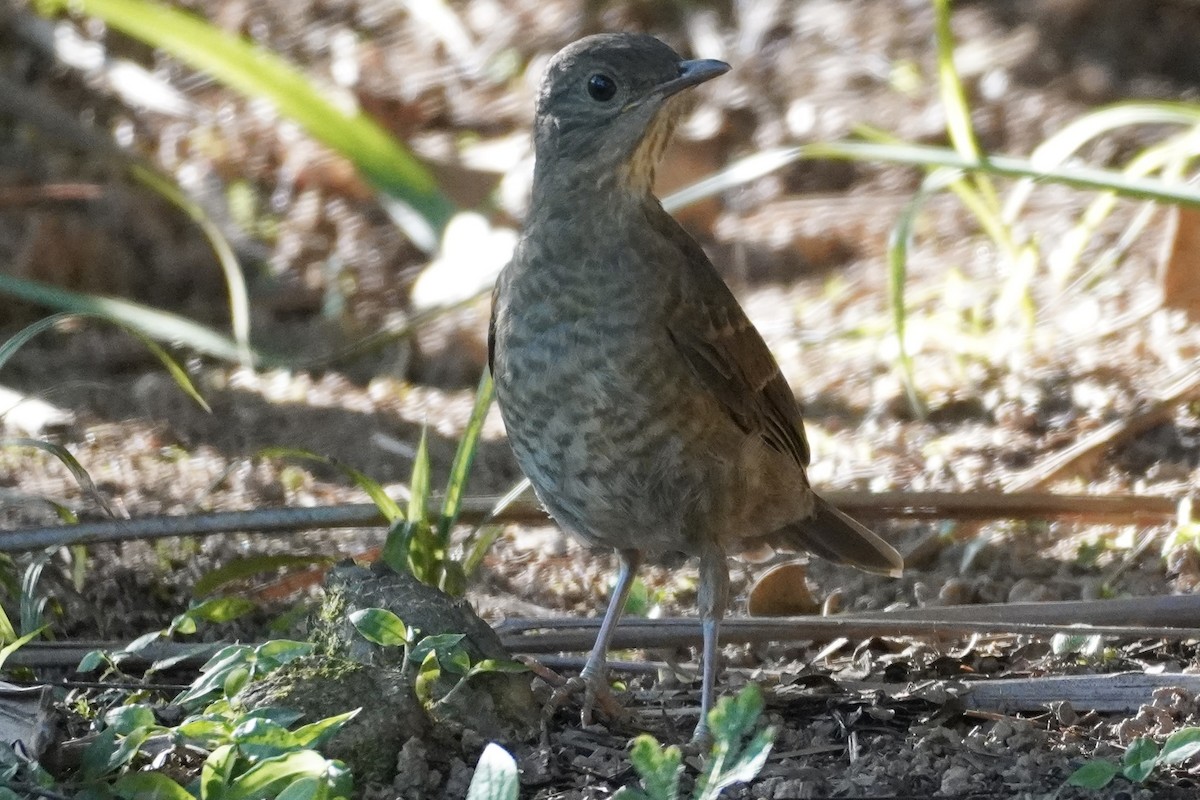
(492, 330)
(729, 358)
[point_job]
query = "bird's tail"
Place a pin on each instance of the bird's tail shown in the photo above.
(832, 535)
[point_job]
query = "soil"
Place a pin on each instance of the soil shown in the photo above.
(1010, 377)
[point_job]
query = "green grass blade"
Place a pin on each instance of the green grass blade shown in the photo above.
(255, 72)
(1079, 177)
(897, 255)
(173, 367)
(418, 487)
(70, 462)
(765, 162)
(158, 325)
(17, 644)
(954, 101)
(1061, 146)
(386, 505)
(464, 456)
(235, 281)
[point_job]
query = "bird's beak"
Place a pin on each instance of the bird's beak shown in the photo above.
(691, 73)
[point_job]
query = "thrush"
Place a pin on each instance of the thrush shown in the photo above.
(640, 401)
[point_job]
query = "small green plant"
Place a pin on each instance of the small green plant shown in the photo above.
(496, 776)
(433, 656)
(1141, 758)
(245, 754)
(738, 754)
(420, 544)
(1187, 529)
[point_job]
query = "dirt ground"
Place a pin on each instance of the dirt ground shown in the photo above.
(1008, 386)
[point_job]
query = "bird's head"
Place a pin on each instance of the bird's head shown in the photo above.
(605, 108)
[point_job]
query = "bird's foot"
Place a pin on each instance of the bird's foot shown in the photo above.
(597, 696)
(701, 742)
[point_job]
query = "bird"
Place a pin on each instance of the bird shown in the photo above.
(638, 398)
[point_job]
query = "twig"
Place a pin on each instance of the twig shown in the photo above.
(1139, 617)
(1077, 457)
(867, 505)
(1123, 692)
(1171, 617)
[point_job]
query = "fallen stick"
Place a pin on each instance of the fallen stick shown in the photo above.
(1127, 509)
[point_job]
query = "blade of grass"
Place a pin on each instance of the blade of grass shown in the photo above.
(158, 325)
(464, 456)
(765, 162)
(71, 463)
(1171, 158)
(235, 281)
(382, 500)
(1061, 146)
(954, 101)
(1079, 177)
(177, 372)
(255, 72)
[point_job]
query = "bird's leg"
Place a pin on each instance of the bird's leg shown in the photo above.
(713, 598)
(595, 671)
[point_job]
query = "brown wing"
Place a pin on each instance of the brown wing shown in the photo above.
(492, 331)
(729, 357)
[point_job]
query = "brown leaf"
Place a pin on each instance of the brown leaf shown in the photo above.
(782, 591)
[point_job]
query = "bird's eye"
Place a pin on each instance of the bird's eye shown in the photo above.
(601, 87)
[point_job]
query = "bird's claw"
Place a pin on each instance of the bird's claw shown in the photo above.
(596, 696)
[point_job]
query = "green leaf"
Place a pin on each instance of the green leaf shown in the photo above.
(658, 767)
(272, 776)
(731, 722)
(127, 749)
(205, 731)
(126, 719)
(217, 609)
(259, 739)
(251, 70)
(13, 647)
(427, 677)
(1095, 774)
(456, 661)
(304, 789)
(735, 716)
(98, 754)
(92, 661)
(497, 665)
(381, 627)
(418, 487)
(443, 644)
(316, 734)
(1140, 759)
(496, 776)
(149, 786)
(216, 772)
(280, 716)
(1180, 746)
(235, 680)
(464, 456)
(751, 760)
(273, 654)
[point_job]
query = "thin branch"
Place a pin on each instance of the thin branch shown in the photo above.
(1091, 448)
(1127, 509)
